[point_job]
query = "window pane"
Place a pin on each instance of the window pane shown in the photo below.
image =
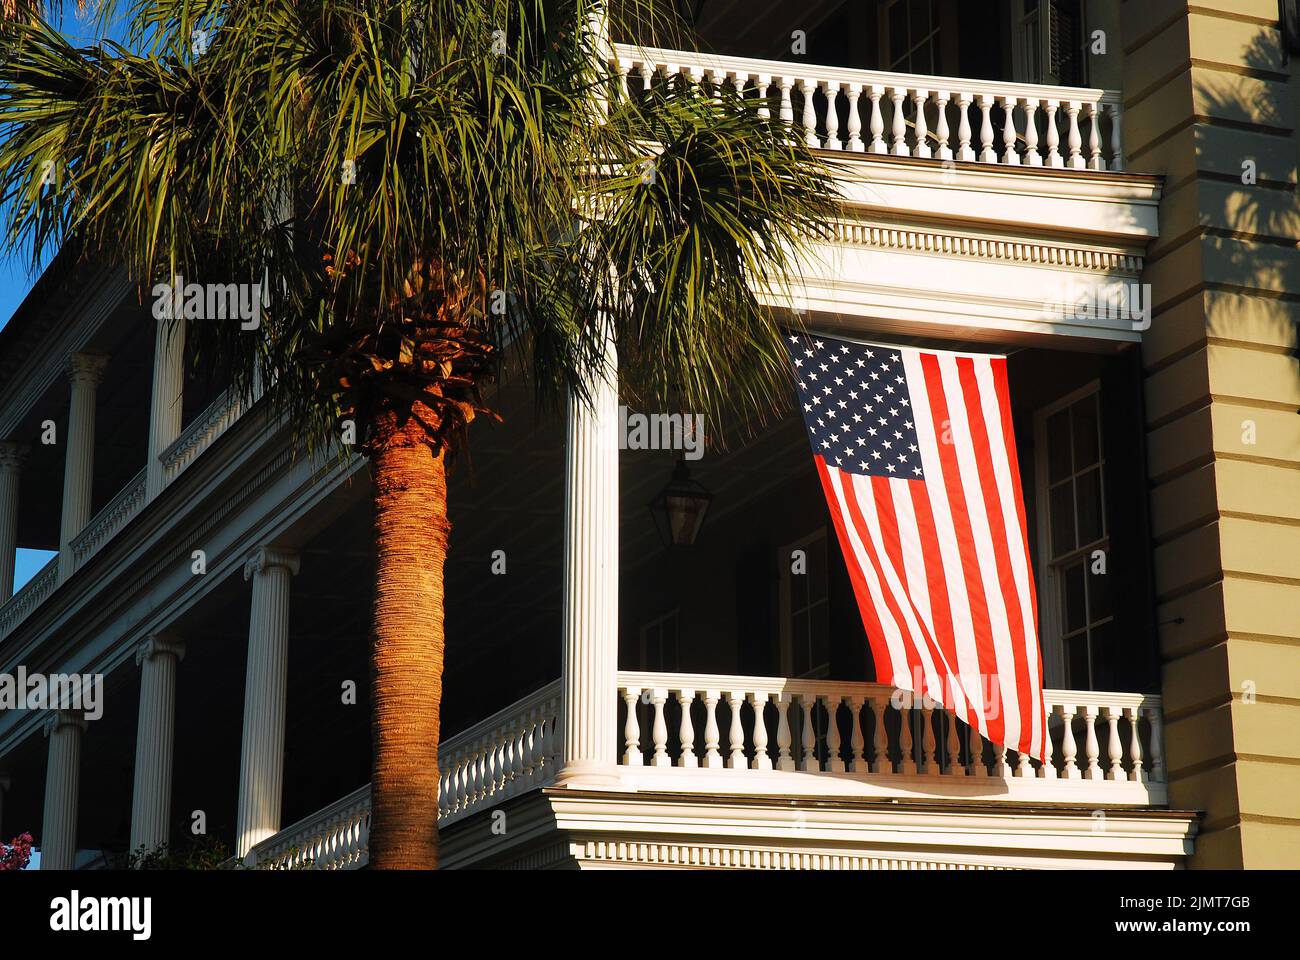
(799, 586)
(653, 650)
(897, 31)
(669, 642)
(1076, 663)
(820, 626)
(920, 14)
(1062, 509)
(1086, 449)
(799, 644)
(1099, 600)
(1105, 657)
(816, 570)
(1058, 445)
(1075, 612)
(1088, 491)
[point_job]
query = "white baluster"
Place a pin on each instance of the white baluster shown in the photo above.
(922, 148)
(659, 729)
(1032, 157)
(787, 109)
(975, 752)
(1000, 767)
(833, 141)
(1157, 744)
(632, 729)
(955, 768)
(880, 762)
(761, 760)
(1069, 749)
(686, 731)
(1136, 774)
(834, 762)
(987, 153)
(941, 125)
(808, 88)
(857, 743)
(737, 734)
(809, 760)
(877, 123)
(1009, 154)
(855, 119)
(1074, 138)
(784, 704)
(764, 104)
(712, 758)
(929, 748)
(964, 151)
(1091, 749)
(899, 126)
(1116, 136)
(1047, 771)
(1024, 768)
(1095, 159)
(905, 740)
(1114, 751)
(1053, 136)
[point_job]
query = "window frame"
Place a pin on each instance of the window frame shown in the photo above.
(787, 612)
(1051, 616)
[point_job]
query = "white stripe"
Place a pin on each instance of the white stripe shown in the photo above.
(1000, 628)
(963, 627)
(893, 637)
(1016, 540)
(918, 587)
(930, 674)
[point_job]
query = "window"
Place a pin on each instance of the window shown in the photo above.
(910, 32)
(805, 607)
(1077, 618)
(1049, 42)
(659, 644)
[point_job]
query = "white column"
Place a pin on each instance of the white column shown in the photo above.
(165, 403)
(85, 370)
(261, 765)
(62, 780)
(590, 674)
(155, 734)
(12, 456)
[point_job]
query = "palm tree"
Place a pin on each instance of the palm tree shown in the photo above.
(423, 184)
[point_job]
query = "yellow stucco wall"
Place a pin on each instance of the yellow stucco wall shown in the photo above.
(1208, 87)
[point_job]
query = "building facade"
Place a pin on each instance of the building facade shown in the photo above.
(1104, 191)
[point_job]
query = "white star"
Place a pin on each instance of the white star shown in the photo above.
(889, 467)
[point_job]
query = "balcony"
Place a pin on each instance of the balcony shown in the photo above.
(1105, 754)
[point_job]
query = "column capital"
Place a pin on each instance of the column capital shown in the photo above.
(59, 719)
(86, 368)
(159, 644)
(263, 558)
(13, 454)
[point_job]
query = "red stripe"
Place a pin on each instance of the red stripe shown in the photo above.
(866, 605)
(887, 517)
(998, 366)
(1001, 552)
(936, 582)
(966, 546)
(864, 534)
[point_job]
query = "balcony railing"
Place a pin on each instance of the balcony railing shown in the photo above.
(1106, 748)
(31, 596)
(1102, 747)
(201, 434)
(903, 115)
(115, 515)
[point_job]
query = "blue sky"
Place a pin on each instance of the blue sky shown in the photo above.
(16, 279)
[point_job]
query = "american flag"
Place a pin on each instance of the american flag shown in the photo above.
(918, 462)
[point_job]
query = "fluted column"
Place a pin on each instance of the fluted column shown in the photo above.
(261, 766)
(155, 735)
(165, 402)
(62, 780)
(591, 582)
(85, 370)
(12, 456)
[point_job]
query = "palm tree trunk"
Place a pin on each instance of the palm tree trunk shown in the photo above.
(411, 528)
